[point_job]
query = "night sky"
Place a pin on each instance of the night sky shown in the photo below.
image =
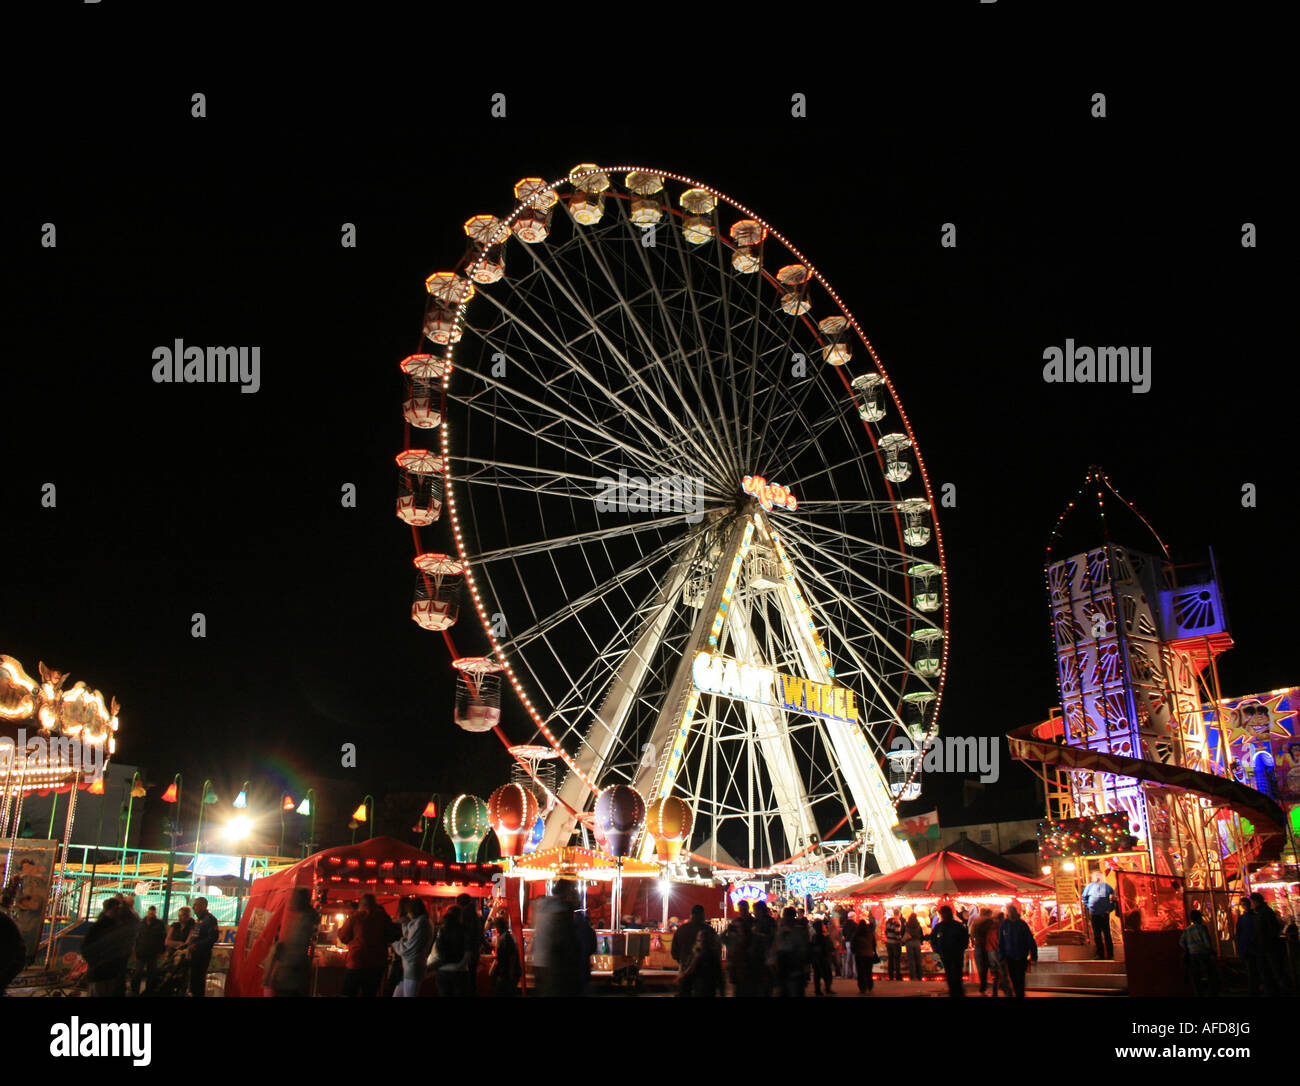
(175, 499)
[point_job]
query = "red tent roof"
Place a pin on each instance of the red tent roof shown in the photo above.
(383, 866)
(949, 874)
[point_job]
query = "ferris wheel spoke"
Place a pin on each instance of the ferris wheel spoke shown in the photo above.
(644, 457)
(687, 278)
(542, 546)
(553, 343)
(664, 552)
(629, 314)
(671, 323)
(777, 443)
(558, 278)
(854, 611)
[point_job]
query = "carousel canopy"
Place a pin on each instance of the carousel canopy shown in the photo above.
(579, 863)
(948, 874)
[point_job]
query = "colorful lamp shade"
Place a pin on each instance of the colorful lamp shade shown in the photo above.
(620, 816)
(210, 796)
(359, 815)
(430, 810)
(241, 800)
(172, 794)
(137, 791)
(304, 808)
(467, 823)
(512, 810)
(287, 804)
(669, 822)
(97, 786)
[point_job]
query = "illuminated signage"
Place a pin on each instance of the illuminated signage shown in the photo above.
(804, 883)
(1097, 835)
(769, 494)
(716, 674)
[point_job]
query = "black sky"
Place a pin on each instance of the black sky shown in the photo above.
(225, 230)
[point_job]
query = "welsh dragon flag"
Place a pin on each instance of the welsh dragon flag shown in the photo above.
(922, 827)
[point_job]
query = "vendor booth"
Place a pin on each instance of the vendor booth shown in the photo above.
(944, 878)
(336, 878)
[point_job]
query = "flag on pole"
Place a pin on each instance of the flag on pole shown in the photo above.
(922, 827)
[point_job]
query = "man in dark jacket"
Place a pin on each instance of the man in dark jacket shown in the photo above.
(201, 941)
(366, 935)
(472, 921)
(979, 934)
(107, 950)
(1257, 928)
(150, 936)
(1016, 947)
(949, 939)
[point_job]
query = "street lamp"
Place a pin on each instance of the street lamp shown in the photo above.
(237, 831)
(209, 797)
(286, 804)
(429, 817)
(359, 815)
(137, 792)
(172, 795)
(305, 808)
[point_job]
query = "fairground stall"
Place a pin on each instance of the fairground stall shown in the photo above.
(944, 878)
(51, 740)
(336, 878)
(601, 880)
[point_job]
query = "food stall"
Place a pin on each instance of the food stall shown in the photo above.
(619, 951)
(337, 877)
(943, 878)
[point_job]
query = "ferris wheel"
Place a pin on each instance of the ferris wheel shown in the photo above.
(689, 513)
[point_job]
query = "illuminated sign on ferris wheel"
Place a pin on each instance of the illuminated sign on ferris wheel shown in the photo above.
(769, 494)
(716, 674)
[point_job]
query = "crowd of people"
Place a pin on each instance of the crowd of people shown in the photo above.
(124, 951)
(759, 953)
(770, 956)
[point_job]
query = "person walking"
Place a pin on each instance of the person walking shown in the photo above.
(1198, 955)
(451, 954)
(413, 948)
(762, 950)
(979, 935)
(506, 967)
(848, 966)
(1098, 903)
(819, 957)
(555, 943)
(150, 941)
(289, 971)
(1267, 948)
(997, 967)
(912, 938)
(949, 939)
(863, 951)
(1016, 947)
(737, 941)
(894, 929)
(792, 955)
(365, 933)
(107, 950)
(702, 976)
(472, 922)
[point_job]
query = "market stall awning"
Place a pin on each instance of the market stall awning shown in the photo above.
(948, 874)
(578, 863)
